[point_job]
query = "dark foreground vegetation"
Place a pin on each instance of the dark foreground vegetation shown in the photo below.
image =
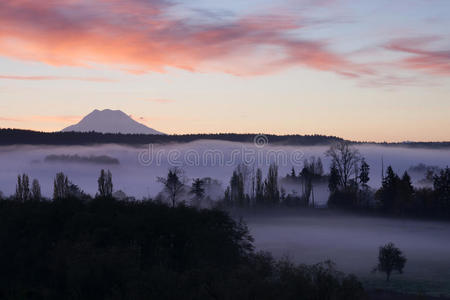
(101, 248)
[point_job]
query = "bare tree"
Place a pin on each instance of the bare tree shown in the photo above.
(345, 159)
(173, 184)
(105, 185)
(60, 186)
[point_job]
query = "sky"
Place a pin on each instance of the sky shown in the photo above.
(362, 70)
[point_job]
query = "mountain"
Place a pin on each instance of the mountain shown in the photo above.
(110, 121)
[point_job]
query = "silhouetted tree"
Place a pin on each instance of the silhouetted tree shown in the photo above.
(364, 173)
(306, 176)
(26, 187)
(334, 179)
(237, 188)
(344, 157)
(23, 188)
(441, 183)
(197, 190)
(61, 186)
(390, 259)
(387, 194)
(271, 191)
(405, 193)
(19, 189)
(105, 185)
(36, 190)
(173, 184)
(364, 177)
(259, 191)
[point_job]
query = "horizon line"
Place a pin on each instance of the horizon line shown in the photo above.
(247, 133)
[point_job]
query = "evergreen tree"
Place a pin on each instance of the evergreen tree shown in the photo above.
(387, 194)
(334, 179)
(364, 174)
(441, 184)
(405, 193)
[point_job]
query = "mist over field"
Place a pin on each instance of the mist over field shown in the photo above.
(352, 243)
(138, 167)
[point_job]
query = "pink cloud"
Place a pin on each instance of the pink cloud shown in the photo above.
(420, 55)
(142, 36)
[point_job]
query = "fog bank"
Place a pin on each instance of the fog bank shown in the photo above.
(140, 166)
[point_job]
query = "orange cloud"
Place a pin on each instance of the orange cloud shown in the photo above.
(143, 36)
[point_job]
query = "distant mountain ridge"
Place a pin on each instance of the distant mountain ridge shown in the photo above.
(29, 137)
(110, 121)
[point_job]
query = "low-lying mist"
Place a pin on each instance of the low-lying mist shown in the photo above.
(352, 243)
(140, 166)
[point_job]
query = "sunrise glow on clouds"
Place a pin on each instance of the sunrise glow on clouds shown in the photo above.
(181, 64)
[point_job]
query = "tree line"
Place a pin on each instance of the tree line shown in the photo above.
(396, 196)
(10, 136)
(348, 184)
(28, 137)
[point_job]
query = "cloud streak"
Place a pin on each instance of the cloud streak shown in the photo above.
(40, 118)
(146, 36)
(40, 78)
(420, 56)
(140, 36)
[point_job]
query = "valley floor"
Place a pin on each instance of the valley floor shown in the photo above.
(351, 241)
